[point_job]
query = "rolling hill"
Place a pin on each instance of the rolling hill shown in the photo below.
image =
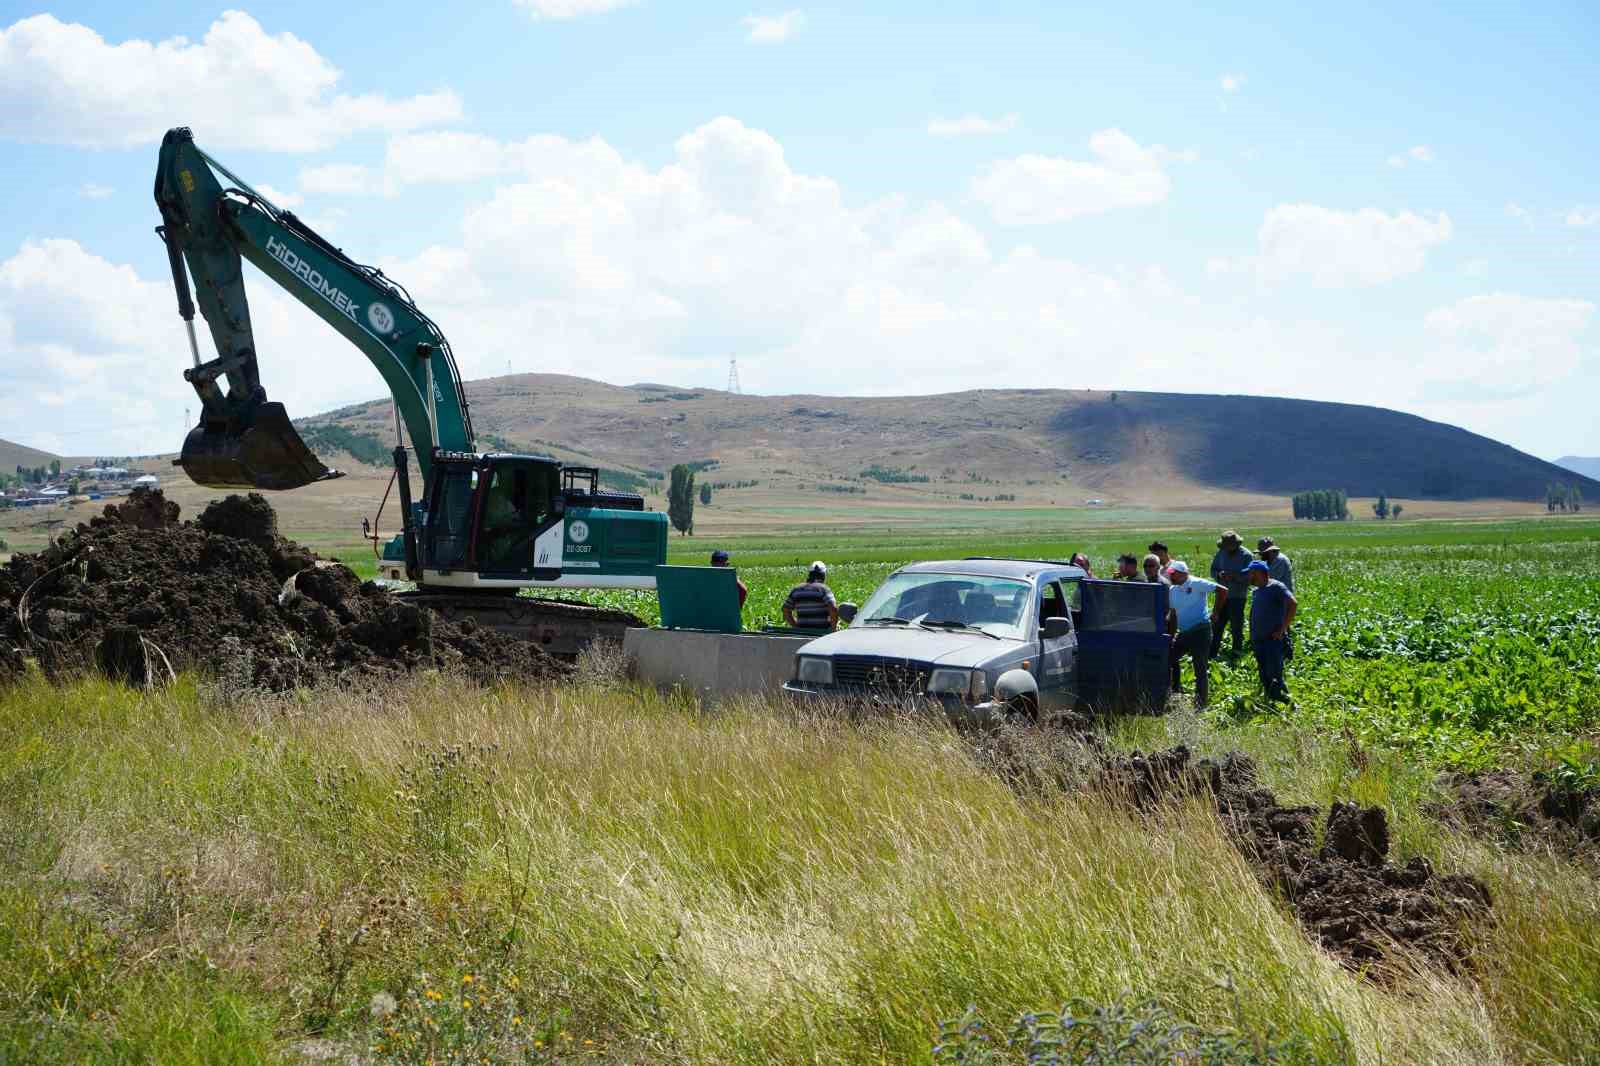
(1030, 444)
(14, 455)
(1588, 466)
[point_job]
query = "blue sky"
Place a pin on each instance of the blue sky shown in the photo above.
(1363, 205)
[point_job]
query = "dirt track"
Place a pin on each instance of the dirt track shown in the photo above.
(137, 590)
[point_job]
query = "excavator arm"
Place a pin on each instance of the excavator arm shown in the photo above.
(243, 440)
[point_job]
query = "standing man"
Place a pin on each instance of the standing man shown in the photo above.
(1189, 597)
(1227, 570)
(811, 605)
(1159, 550)
(1127, 568)
(1153, 572)
(1278, 564)
(720, 558)
(1272, 608)
(1280, 569)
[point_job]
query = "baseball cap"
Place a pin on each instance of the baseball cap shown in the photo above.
(1257, 564)
(1264, 543)
(819, 567)
(1178, 567)
(719, 556)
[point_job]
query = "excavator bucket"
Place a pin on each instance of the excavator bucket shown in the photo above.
(268, 454)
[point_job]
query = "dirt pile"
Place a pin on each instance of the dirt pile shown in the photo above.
(1525, 810)
(136, 589)
(1349, 897)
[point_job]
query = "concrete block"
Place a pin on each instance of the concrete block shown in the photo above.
(718, 663)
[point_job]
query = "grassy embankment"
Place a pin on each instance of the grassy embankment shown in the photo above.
(625, 876)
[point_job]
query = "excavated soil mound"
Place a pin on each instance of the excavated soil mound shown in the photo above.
(145, 508)
(1348, 896)
(11, 665)
(231, 597)
(1524, 810)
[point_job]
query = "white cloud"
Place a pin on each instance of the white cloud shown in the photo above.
(774, 29)
(1346, 248)
(567, 9)
(1509, 340)
(77, 329)
(1420, 153)
(1516, 210)
(607, 266)
(1231, 83)
(90, 191)
(277, 197)
(1583, 216)
(972, 125)
(62, 83)
(1038, 189)
(342, 179)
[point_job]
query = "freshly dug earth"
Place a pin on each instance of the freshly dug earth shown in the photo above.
(1359, 906)
(1525, 810)
(230, 596)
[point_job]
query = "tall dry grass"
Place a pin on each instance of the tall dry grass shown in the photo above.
(188, 878)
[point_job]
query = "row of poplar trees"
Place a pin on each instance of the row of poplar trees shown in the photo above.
(1321, 505)
(1560, 497)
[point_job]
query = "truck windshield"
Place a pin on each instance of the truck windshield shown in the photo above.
(996, 605)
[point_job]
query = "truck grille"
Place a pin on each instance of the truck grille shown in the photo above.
(893, 677)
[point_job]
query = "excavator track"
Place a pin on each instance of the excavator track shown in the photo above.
(561, 627)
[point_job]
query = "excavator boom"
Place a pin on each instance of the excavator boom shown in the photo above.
(243, 440)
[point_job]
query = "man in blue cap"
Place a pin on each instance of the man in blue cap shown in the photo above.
(1272, 608)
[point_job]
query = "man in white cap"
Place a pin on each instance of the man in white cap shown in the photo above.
(1189, 598)
(811, 605)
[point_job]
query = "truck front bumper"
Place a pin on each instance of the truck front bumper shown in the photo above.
(958, 711)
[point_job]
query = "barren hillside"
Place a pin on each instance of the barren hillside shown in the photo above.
(1033, 443)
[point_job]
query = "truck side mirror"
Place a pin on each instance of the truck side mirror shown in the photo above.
(847, 612)
(1055, 628)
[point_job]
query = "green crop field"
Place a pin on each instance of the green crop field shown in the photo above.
(594, 871)
(1466, 643)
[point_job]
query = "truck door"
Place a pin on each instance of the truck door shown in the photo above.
(1057, 658)
(1123, 645)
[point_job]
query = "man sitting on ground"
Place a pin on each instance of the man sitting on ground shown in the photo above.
(1189, 597)
(720, 558)
(811, 605)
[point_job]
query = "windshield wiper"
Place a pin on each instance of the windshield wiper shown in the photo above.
(886, 620)
(950, 623)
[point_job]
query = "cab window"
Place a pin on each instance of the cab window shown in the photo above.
(1051, 602)
(516, 505)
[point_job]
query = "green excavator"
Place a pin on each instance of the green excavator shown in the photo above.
(488, 524)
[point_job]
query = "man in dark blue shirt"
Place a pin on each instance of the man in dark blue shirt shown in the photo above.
(1272, 608)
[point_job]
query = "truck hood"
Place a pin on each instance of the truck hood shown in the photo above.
(917, 645)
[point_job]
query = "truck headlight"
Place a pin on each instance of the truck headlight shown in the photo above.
(971, 684)
(814, 670)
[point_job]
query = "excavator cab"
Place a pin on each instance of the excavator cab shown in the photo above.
(495, 516)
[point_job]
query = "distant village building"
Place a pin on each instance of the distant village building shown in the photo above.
(149, 480)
